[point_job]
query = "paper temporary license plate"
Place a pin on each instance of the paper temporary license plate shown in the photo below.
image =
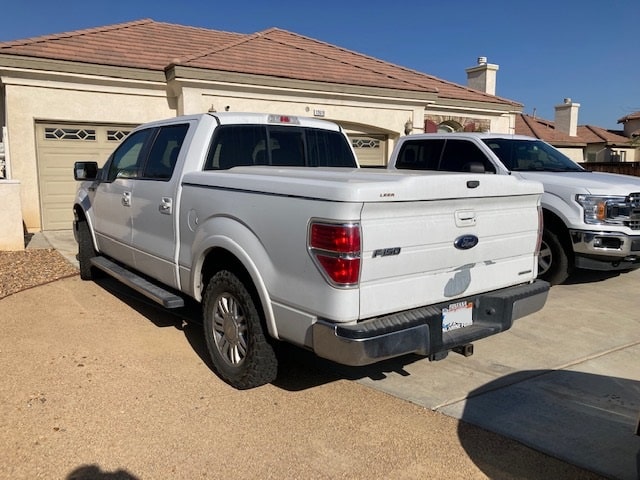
(457, 315)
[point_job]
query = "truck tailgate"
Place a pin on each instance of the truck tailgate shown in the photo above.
(432, 251)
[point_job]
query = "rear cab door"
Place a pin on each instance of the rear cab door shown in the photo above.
(154, 209)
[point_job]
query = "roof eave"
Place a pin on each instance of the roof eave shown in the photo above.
(20, 62)
(184, 74)
(484, 106)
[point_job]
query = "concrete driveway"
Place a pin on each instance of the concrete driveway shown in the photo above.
(565, 382)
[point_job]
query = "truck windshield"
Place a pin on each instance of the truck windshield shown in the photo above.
(531, 156)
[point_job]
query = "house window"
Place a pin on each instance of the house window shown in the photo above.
(83, 134)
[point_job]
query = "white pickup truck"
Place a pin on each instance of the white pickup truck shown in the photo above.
(268, 222)
(591, 219)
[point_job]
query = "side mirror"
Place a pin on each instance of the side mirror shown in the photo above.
(85, 171)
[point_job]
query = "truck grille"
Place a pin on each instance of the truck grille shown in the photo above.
(634, 213)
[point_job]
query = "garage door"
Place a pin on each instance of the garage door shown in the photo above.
(370, 150)
(58, 147)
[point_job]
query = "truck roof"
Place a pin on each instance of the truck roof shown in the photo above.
(235, 118)
(479, 135)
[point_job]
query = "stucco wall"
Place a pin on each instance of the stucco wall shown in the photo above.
(575, 154)
(11, 231)
(57, 98)
(383, 117)
(28, 102)
(631, 126)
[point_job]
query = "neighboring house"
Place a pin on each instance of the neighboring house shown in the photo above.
(606, 145)
(631, 125)
(581, 143)
(74, 96)
(571, 145)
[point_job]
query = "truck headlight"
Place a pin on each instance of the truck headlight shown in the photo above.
(604, 210)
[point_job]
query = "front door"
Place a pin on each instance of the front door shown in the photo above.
(113, 197)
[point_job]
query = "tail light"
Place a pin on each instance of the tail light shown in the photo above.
(335, 249)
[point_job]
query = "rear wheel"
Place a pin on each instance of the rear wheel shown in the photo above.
(86, 251)
(554, 263)
(236, 340)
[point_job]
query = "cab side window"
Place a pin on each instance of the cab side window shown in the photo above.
(127, 160)
(164, 152)
(464, 156)
(420, 154)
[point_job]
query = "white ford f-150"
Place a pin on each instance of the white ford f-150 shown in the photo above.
(591, 219)
(268, 222)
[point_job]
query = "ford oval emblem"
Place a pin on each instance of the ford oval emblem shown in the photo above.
(465, 242)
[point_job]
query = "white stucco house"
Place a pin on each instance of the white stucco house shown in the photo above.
(75, 95)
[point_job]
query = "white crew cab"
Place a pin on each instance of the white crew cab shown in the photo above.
(268, 222)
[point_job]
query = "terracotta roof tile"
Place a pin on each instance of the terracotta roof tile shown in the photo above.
(272, 53)
(546, 130)
(542, 129)
(593, 134)
(631, 116)
(139, 44)
(155, 45)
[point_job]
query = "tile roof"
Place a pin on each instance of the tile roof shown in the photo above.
(152, 45)
(593, 134)
(546, 130)
(631, 116)
(139, 44)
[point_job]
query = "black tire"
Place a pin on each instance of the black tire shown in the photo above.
(86, 251)
(236, 340)
(554, 263)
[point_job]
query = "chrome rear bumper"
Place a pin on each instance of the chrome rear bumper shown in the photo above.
(419, 330)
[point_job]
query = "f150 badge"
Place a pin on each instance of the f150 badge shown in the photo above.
(465, 242)
(386, 252)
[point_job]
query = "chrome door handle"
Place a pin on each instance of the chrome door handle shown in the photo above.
(126, 199)
(166, 206)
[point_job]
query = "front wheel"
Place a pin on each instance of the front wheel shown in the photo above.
(554, 263)
(86, 251)
(236, 340)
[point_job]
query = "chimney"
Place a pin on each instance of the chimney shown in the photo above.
(566, 120)
(483, 76)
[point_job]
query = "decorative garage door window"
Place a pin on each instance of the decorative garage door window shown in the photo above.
(55, 133)
(365, 143)
(370, 149)
(117, 135)
(86, 134)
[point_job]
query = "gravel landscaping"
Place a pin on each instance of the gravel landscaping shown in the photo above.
(29, 268)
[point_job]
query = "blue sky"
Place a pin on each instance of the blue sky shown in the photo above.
(547, 50)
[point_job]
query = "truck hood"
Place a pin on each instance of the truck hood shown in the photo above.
(595, 183)
(362, 185)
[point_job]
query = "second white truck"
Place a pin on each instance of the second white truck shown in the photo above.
(591, 219)
(268, 223)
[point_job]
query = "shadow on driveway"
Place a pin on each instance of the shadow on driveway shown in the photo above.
(584, 419)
